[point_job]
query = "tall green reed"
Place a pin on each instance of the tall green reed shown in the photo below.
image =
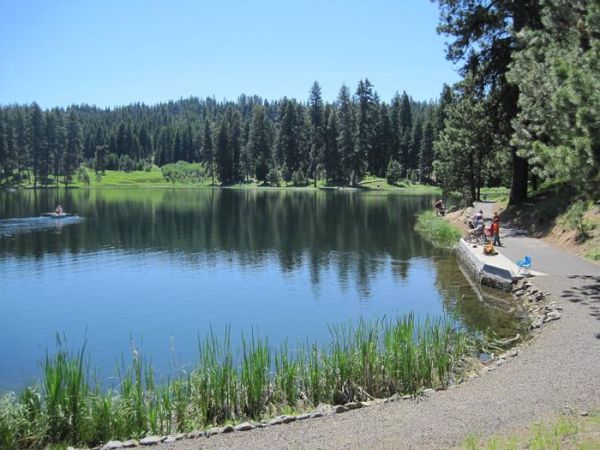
(256, 362)
(363, 360)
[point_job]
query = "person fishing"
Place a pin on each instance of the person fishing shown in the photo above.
(440, 208)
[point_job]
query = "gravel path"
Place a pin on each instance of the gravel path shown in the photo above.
(558, 370)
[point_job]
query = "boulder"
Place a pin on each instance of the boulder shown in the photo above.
(244, 426)
(195, 434)
(112, 445)
(151, 440)
(353, 405)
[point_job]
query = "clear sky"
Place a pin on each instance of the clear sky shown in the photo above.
(114, 52)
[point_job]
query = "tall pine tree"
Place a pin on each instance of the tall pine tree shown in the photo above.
(74, 147)
(317, 130)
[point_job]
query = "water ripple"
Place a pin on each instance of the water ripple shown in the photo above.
(12, 227)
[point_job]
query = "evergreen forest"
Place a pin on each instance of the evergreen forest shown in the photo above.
(526, 112)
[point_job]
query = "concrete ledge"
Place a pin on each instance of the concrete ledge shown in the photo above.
(495, 271)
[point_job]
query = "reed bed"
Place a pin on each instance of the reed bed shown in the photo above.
(437, 230)
(362, 361)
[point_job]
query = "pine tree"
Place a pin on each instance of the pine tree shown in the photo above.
(246, 157)
(178, 151)
(485, 36)
(145, 142)
(208, 153)
(415, 144)
(22, 144)
(383, 147)
(3, 151)
(288, 140)
(123, 140)
(405, 128)
(352, 164)
(11, 148)
(36, 139)
(101, 158)
(55, 140)
(331, 157)
(165, 148)
(223, 154)
(259, 145)
(367, 119)
(460, 152)
(317, 130)
(426, 153)
(74, 147)
(557, 71)
(396, 106)
(235, 145)
(445, 101)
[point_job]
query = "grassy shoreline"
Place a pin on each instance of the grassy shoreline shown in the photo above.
(365, 360)
(154, 179)
(437, 230)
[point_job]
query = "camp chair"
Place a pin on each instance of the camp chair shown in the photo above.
(524, 265)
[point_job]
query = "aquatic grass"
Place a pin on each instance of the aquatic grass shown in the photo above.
(215, 382)
(437, 230)
(363, 360)
(287, 381)
(255, 375)
(65, 391)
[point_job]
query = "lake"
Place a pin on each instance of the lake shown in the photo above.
(154, 269)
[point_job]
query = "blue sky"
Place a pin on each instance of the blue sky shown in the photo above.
(110, 52)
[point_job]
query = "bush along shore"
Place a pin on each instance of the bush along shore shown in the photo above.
(437, 230)
(362, 362)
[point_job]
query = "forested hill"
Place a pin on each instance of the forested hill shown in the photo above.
(249, 138)
(526, 112)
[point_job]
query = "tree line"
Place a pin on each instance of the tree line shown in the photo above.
(526, 111)
(528, 107)
(250, 139)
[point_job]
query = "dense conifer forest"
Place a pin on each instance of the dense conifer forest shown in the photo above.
(527, 111)
(285, 139)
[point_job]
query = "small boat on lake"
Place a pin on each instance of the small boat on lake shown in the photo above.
(54, 215)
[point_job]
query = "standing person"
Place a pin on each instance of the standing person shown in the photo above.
(478, 218)
(59, 210)
(496, 230)
(438, 207)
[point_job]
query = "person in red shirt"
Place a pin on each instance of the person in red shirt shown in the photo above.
(496, 230)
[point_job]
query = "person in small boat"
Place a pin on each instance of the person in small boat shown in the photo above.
(59, 210)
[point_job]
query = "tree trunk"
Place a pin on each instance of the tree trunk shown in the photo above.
(518, 187)
(525, 13)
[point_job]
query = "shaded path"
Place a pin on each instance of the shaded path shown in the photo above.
(560, 369)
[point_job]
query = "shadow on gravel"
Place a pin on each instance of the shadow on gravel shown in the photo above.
(587, 294)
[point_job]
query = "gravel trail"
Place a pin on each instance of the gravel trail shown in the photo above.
(559, 370)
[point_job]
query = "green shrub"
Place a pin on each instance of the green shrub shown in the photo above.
(82, 175)
(393, 173)
(573, 218)
(183, 172)
(274, 176)
(299, 179)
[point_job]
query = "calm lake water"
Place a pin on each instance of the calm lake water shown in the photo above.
(156, 268)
